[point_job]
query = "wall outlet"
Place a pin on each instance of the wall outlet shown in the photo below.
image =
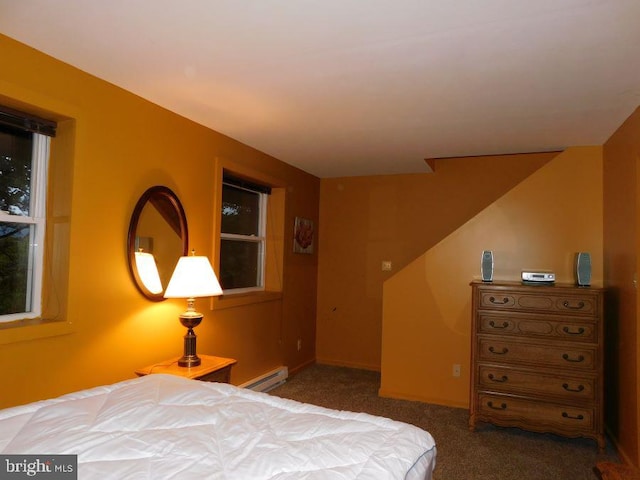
(299, 344)
(456, 369)
(386, 265)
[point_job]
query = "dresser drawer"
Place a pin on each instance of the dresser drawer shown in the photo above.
(531, 325)
(567, 304)
(501, 350)
(538, 415)
(564, 387)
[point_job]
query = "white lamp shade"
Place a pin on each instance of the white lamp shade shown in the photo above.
(148, 272)
(193, 277)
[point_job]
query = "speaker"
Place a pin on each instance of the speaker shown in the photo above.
(583, 269)
(486, 266)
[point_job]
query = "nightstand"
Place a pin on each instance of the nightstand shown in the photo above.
(211, 369)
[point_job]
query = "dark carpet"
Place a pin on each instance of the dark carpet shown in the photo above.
(489, 453)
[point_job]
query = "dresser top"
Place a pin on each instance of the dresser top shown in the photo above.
(504, 284)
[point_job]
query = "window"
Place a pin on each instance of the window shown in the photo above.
(243, 235)
(23, 179)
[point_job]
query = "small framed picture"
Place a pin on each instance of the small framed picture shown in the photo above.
(303, 233)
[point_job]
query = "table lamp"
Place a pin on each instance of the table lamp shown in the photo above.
(193, 277)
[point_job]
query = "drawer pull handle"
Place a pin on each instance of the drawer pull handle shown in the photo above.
(573, 417)
(492, 324)
(568, 331)
(504, 351)
(504, 301)
(569, 389)
(502, 379)
(579, 306)
(502, 406)
(574, 360)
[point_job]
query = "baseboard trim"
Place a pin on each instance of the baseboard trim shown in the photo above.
(302, 366)
(359, 366)
(626, 459)
(382, 392)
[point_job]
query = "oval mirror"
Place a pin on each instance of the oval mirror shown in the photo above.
(157, 238)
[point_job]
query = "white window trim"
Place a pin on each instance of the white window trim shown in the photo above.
(261, 238)
(38, 210)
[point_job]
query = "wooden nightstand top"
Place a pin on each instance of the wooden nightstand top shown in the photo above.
(208, 365)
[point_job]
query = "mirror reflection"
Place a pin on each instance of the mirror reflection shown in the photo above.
(157, 238)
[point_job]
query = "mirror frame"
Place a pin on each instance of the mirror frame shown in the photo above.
(147, 197)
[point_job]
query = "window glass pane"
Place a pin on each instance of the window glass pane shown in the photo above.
(238, 264)
(14, 266)
(240, 211)
(15, 170)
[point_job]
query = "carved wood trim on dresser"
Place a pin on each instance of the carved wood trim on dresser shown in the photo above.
(537, 358)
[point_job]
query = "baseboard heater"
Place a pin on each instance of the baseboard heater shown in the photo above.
(268, 381)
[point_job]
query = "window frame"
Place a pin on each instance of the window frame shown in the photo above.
(260, 239)
(40, 155)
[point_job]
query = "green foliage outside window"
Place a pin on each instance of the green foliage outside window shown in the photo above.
(15, 194)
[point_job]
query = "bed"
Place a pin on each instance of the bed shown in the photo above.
(167, 427)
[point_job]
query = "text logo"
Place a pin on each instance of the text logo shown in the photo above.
(51, 467)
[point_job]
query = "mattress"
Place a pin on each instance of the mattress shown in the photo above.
(167, 427)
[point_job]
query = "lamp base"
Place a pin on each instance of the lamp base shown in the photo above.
(190, 320)
(189, 361)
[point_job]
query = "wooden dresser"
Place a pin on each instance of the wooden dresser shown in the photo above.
(537, 358)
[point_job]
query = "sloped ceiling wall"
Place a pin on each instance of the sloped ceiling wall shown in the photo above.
(539, 224)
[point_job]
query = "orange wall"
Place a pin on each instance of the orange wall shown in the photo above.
(539, 224)
(119, 145)
(621, 247)
(365, 220)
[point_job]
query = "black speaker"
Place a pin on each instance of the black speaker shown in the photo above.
(486, 266)
(583, 269)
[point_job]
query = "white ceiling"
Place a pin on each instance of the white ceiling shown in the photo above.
(360, 87)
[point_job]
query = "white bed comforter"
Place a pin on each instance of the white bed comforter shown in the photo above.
(166, 427)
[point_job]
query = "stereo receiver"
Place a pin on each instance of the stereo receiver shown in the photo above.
(538, 277)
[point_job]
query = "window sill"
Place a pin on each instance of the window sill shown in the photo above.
(25, 330)
(240, 299)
